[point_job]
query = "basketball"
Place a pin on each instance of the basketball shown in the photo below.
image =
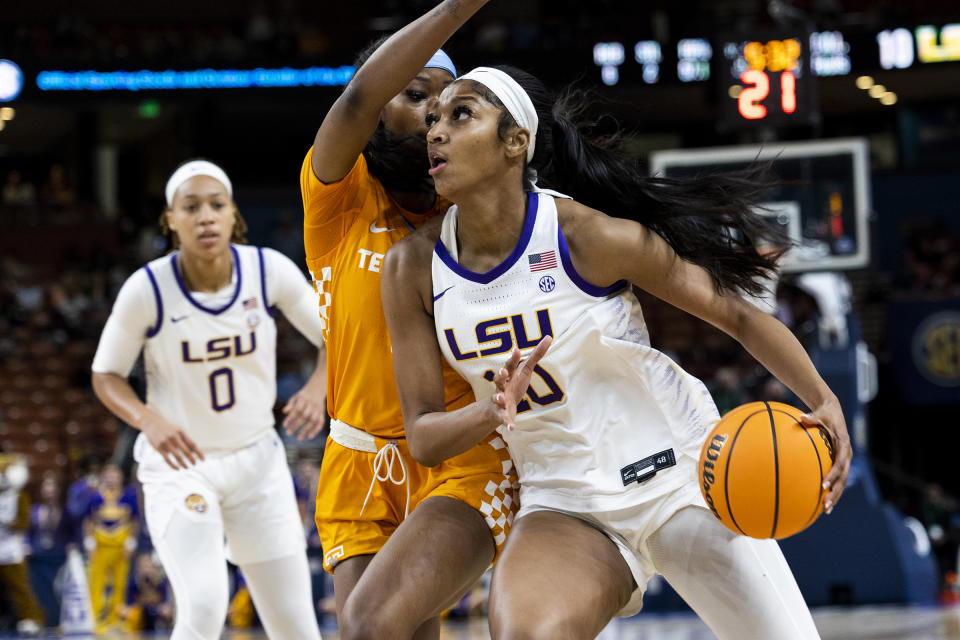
(761, 471)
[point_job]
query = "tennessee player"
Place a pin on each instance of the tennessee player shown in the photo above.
(402, 540)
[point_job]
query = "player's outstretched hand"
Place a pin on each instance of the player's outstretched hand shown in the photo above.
(514, 378)
(305, 414)
(830, 417)
(176, 447)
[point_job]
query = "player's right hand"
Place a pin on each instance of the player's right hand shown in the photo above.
(176, 447)
(513, 380)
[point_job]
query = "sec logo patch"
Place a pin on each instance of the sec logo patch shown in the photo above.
(547, 284)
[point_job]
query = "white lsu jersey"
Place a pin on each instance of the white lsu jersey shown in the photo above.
(213, 370)
(608, 422)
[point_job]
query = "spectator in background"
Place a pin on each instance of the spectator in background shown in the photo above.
(55, 191)
(17, 192)
(14, 519)
(47, 542)
(79, 495)
(110, 537)
(932, 257)
(941, 517)
(147, 605)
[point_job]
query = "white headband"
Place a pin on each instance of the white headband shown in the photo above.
(513, 97)
(196, 168)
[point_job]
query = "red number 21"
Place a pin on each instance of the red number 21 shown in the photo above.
(757, 88)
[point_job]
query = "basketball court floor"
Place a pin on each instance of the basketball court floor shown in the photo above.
(847, 623)
(858, 623)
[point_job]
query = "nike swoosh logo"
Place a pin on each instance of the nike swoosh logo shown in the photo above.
(375, 229)
(440, 295)
(178, 319)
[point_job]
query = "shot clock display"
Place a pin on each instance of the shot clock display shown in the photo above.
(766, 81)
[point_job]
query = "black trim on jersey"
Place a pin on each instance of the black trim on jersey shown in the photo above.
(503, 267)
(576, 278)
(263, 282)
(156, 294)
(186, 292)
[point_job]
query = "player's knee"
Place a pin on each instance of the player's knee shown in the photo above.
(526, 622)
(528, 628)
(364, 628)
(368, 624)
(204, 616)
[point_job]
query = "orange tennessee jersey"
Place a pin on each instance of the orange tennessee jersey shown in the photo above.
(347, 228)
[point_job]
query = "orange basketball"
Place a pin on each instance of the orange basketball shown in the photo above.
(761, 472)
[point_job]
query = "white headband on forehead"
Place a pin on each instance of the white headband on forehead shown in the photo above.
(513, 97)
(196, 168)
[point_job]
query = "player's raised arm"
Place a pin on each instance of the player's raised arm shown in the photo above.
(353, 118)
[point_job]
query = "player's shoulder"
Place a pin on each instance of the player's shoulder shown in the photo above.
(248, 251)
(412, 254)
(571, 213)
(145, 277)
(576, 218)
(421, 242)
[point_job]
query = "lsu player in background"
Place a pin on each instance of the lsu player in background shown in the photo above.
(605, 430)
(211, 464)
(404, 541)
(110, 538)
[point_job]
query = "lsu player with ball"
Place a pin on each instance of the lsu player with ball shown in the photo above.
(211, 464)
(605, 430)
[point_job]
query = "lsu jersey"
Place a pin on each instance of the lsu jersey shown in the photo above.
(348, 227)
(608, 421)
(204, 363)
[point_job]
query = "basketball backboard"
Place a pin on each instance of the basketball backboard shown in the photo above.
(824, 203)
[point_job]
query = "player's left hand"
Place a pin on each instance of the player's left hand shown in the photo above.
(513, 380)
(829, 417)
(305, 414)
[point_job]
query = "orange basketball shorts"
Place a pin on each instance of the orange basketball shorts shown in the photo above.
(483, 478)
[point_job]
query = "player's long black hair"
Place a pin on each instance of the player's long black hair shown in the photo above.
(709, 220)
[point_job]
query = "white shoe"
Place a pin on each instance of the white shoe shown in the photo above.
(28, 629)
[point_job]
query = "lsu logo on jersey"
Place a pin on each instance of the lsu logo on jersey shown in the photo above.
(220, 348)
(195, 502)
(502, 333)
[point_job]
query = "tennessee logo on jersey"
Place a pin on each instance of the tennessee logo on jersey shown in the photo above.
(333, 556)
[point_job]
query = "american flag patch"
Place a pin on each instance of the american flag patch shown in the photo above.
(250, 303)
(542, 261)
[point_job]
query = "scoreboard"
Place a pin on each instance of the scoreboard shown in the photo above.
(766, 80)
